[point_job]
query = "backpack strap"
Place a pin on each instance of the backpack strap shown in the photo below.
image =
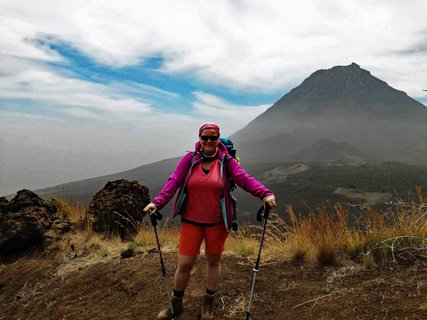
(234, 224)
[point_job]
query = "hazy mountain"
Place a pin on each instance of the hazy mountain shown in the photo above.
(344, 104)
(343, 114)
(153, 175)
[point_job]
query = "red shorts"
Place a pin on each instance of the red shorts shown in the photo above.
(191, 238)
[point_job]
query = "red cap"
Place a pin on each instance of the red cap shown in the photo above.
(208, 126)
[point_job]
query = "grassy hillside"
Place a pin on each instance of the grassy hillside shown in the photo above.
(302, 186)
(313, 187)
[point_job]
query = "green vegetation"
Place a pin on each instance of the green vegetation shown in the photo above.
(313, 188)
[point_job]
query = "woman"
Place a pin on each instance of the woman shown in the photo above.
(206, 208)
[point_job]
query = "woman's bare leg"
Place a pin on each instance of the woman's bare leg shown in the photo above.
(183, 272)
(213, 270)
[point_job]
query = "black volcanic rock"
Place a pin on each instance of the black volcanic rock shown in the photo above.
(25, 222)
(3, 204)
(23, 199)
(117, 208)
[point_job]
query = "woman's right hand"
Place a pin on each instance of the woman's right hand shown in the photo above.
(270, 201)
(150, 208)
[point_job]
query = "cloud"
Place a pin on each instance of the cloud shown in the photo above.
(230, 117)
(243, 45)
(78, 145)
(31, 81)
(139, 89)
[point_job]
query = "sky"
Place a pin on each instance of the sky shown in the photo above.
(89, 88)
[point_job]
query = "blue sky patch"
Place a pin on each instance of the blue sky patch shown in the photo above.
(148, 73)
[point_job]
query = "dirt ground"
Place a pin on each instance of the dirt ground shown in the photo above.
(35, 287)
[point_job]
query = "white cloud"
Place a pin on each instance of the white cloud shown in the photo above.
(230, 117)
(14, 39)
(237, 44)
(31, 81)
(42, 150)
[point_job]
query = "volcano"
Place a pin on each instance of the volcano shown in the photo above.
(346, 105)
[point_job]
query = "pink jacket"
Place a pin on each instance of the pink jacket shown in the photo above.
(229, 168)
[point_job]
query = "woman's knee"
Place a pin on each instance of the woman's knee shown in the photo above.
(185, 266)
(213, 260)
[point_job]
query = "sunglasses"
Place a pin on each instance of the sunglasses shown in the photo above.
(212, 138)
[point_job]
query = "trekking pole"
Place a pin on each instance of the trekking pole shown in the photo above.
(154, 217)
(256, 269)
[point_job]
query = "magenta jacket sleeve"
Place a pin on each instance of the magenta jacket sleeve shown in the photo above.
(246, 181)
(176, 180)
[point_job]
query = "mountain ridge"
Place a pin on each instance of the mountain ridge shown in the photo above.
(344, 103)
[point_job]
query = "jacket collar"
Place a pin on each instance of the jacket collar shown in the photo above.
(222, 149)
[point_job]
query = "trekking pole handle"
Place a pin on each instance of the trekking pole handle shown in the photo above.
(266, 211)
(264, 215)
(154, 217)
(259, 214)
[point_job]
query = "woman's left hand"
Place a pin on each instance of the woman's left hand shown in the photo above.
(270, 201)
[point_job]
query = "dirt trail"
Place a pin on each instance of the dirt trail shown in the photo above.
(133, 289)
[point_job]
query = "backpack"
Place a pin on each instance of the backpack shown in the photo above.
(230, 148)
(232, 152)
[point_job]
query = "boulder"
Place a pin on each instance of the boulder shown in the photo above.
(22, 230)
(24, 222)
(4, 203)
(117, 208)
(24, 199)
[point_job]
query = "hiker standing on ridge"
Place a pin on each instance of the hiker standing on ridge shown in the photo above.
(206, 208)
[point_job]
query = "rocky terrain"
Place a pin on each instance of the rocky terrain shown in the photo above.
(60, 273)
(36, 287)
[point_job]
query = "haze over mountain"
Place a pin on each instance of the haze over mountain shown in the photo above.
(326, 150)
(342, 104)
(343, 114)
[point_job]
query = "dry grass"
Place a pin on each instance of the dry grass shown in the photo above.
(320, 237)
(168, 237)
(396, 235)
(78, 250)
(325, 237)
(242, 243)
(76, 214)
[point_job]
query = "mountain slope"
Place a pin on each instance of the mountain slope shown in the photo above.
(326, 150)
(344, 103)
(153, 175)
